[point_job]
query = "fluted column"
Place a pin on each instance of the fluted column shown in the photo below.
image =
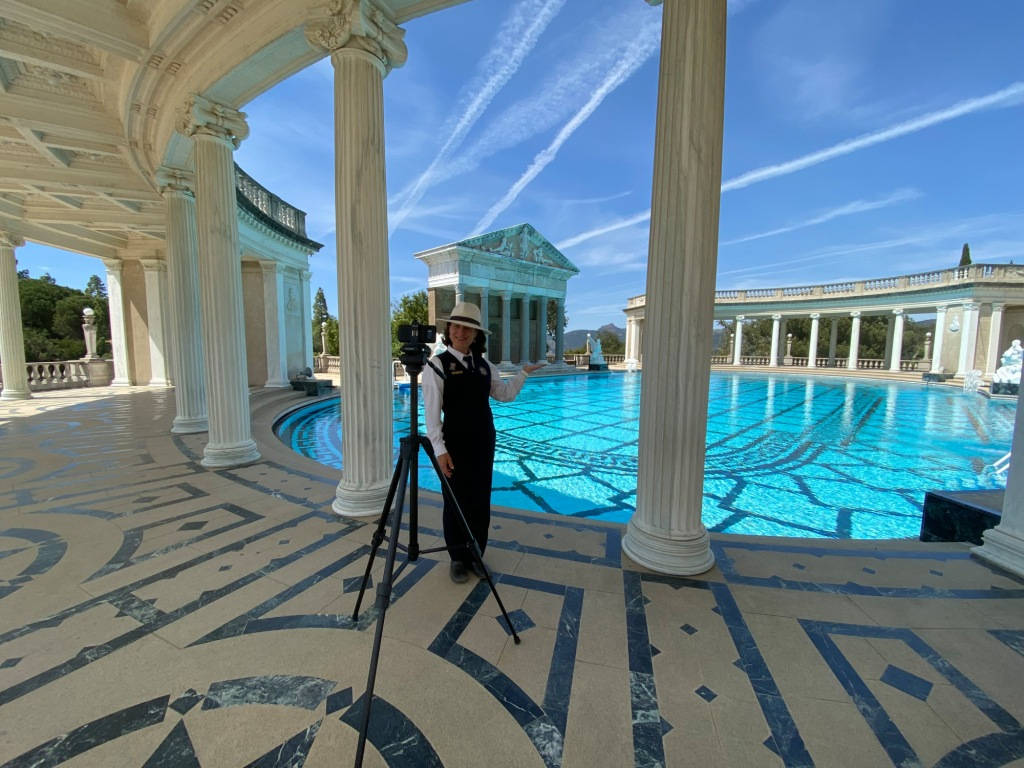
(274, 323)
(812, 348)
(12, 339)
(185, 332)
(851, 362)
(940, 329)
(542, 329)
(155, 273)
(364, 44)
(1003, 545)
(524, 330)
(666, 533)
(307, 322)
(995, 330)
(737, 344)
(968, 338)
(506, 329)
(217, 131)
(773, 355)
(118, 332)
(560, 331)
(897, 341)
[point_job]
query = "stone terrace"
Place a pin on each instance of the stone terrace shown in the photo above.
(155, 613)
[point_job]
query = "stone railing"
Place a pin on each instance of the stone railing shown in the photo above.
(864, 363)
(66, 374)
(970, 274)
(326, 364)
(288, 216)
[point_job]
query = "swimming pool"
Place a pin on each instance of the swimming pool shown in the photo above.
(786, 455)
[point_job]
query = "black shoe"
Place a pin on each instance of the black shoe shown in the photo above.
(477, 569)
(458, 572)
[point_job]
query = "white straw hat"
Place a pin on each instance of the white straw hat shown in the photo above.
(466, 314)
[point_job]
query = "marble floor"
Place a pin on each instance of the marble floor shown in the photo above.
(156, 613)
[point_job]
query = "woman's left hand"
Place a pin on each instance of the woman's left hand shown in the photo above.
(532, 368)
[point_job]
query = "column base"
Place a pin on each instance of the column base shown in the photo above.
(675, 556)
(16, 394)
(183, 426)
(160, 383)
(507, 366)
(116, 382)
(350, 501)
(230, 455)
(277, 384)
(1001, 549)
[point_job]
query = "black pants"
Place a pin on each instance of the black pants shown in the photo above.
(471, 483)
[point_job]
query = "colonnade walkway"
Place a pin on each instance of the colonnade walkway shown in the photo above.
(156, 613)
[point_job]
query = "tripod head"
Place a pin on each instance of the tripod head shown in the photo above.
(414, 354)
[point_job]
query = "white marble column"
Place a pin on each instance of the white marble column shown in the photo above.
(155, 271)
(968, 338)
(666, 533)
(773, 355)
(940, 330)
(737, 344)
(274, 324)
(506, 329)
(897, 341)
(851, 362)
(118, 332)
(812, 346)
(995, 330)
(217, 130)
(364, 44)
(833, 339)
(524, 330)
(560, 331)
(305, 276)
(887, 354)
(485, 308)
(460, 293)
(12, 339)
(1003, 545)
(542, 328)
(185, 332)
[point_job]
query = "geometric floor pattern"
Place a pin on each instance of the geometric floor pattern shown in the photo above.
(156, 613)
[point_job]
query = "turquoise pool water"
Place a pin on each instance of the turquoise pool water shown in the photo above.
(786, 455)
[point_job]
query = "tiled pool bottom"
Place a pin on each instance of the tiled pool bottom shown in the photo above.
(786, 455)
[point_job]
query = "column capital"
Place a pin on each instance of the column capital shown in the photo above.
(113, 266)
(815, 315)
(741, 318)
(941, 307)
(10, 240)
(855, 313)
(175, 181)
(204, 117)
(360, 26)
(971, 306)
(153, 265)
(898, 311)
(269, 266)
(776, 317)
(998, 306)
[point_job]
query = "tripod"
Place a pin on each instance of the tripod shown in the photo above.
(413, 357)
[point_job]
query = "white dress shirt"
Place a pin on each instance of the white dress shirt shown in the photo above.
(503, 390)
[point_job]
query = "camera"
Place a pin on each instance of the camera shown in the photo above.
(417, 334)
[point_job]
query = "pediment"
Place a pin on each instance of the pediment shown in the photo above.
(520, 243)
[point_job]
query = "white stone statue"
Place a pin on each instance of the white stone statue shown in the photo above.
(89, 332)
(595, 350)
(1009, 370)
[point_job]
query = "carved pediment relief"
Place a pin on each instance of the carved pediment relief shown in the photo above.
(521, 243)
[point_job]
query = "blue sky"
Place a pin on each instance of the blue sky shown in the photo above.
(863, 138)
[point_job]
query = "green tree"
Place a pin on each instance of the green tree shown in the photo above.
(411, 308)
(95, 289)
(965, 255)
(611, 344)
(321, 315)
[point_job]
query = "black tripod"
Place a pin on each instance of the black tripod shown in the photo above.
(414, 357)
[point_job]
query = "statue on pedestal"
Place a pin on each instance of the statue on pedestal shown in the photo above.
(89, 332)
(594, 345)
(1006, 379)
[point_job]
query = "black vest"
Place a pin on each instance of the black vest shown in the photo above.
(466, 403)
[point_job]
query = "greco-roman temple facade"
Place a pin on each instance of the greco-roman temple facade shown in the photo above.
(513, 275)
(978, 310)
(118, 124)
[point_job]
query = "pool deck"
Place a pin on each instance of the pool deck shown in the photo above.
(156, 613)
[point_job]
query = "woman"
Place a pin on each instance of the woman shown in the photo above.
(458, 385)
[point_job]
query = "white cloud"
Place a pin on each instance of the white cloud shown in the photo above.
(1006, 97)
(621, 224)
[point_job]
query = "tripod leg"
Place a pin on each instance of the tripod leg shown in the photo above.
(384, 597)
(378, 535)
(471, 543)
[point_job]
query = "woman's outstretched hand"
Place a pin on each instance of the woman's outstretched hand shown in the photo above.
(534, 367)
(444, 461)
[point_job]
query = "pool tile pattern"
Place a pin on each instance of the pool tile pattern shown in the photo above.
(786, 455)
(155, 613)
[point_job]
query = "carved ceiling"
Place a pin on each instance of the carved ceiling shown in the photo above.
(89, 91)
